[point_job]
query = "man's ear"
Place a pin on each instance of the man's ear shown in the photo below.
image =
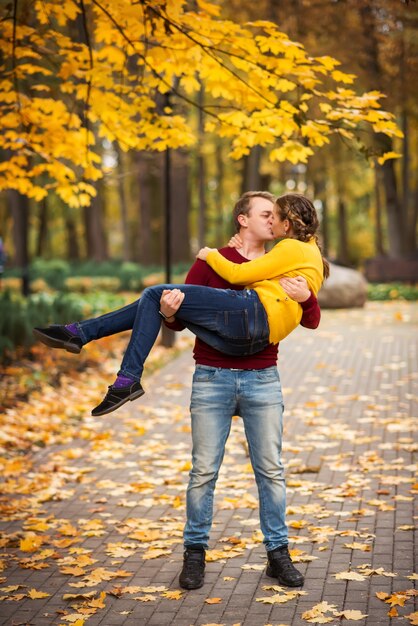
(242, 220)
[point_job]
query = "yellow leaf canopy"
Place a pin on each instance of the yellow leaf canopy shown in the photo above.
(74, 74)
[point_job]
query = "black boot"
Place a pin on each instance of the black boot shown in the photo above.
(193, 573)
(56, 336)
(280, 566)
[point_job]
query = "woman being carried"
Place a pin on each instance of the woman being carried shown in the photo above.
(234, 322)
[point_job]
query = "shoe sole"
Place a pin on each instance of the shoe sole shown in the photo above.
(134, 396)
(191, 587)
(56, 343)
(283, 582)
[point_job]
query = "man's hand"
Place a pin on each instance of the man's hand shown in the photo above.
(235, 242)
(170, 303)
(297, 288)
(203, 253)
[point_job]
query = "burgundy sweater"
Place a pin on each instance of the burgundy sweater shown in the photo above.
(201, 274)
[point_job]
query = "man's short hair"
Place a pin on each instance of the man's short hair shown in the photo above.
(243, 204)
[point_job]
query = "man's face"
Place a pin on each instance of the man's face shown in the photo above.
(259, 223)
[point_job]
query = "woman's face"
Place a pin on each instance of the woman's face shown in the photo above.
(280, 227)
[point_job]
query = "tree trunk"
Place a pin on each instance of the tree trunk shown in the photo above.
(343, 254)
(149, 168)
(219, 196)
(320, 194)
(43, 228)
(201, 178)
(251, 170)
(380, 250)
(393, 210)
(395, 218)
(123, 204)
(19, 206)
(180, 206)
(73, 248)
(95, 227)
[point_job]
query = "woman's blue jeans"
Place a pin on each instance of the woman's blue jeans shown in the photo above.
(233, 322)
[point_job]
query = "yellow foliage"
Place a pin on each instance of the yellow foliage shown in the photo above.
(249, 73)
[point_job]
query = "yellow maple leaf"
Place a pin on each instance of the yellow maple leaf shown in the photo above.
(34, 595)
(413, 618)
(352, 614)
(155, 553)
(388, 155)
(397, 599)
(31, 543)
(213, 600)
(173, 595)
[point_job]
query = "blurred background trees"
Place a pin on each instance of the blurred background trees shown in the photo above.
(366, 208)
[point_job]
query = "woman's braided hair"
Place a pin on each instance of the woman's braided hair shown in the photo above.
(302, 215)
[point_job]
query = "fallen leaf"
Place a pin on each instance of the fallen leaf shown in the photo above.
(352, 614)
(173, 595)
(34, 595)
(349, 576)
(413, 618)
(213, 600)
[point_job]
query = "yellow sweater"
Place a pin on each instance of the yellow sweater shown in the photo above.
(290, 257)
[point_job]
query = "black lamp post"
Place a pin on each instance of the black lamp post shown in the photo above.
(167, 335)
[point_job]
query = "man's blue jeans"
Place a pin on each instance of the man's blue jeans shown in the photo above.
(233, 322)
(217, 395)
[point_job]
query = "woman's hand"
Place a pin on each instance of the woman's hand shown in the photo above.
(297, 288)
(235, 242)
(203, 253)
(170, 303)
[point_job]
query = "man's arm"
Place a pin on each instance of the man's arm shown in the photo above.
(297, 288)
(311, 315)
(197, 275)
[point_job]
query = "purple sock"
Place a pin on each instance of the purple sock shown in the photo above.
(122, 381)
(73, 329)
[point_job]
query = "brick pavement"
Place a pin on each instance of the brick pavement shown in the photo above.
(351, 405)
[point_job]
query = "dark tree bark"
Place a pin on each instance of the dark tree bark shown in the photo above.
(94, 222)
(43, 228)
(20, 207)
(180, 206)
(73, 247)
(149, 169)
(380, 249)
(219, 196)
(343, 253)
(251, 170)
(123, 204)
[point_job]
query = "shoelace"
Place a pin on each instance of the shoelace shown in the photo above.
(284, 560)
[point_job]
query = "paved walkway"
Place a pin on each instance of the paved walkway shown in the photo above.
(107, 529)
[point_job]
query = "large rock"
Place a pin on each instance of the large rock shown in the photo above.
(345, 288)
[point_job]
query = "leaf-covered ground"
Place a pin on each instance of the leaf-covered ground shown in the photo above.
(93, 510)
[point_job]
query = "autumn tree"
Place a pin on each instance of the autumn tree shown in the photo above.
(80, 72)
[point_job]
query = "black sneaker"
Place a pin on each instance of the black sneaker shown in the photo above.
(280, 566)
(192, 575)
(56, 336)
(115, 397)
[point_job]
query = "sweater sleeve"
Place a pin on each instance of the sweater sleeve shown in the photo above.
(271, 265)
(311, 313)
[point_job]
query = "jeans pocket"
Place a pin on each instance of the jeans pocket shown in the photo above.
(233, 324)
(204, 374)
(268, 375)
